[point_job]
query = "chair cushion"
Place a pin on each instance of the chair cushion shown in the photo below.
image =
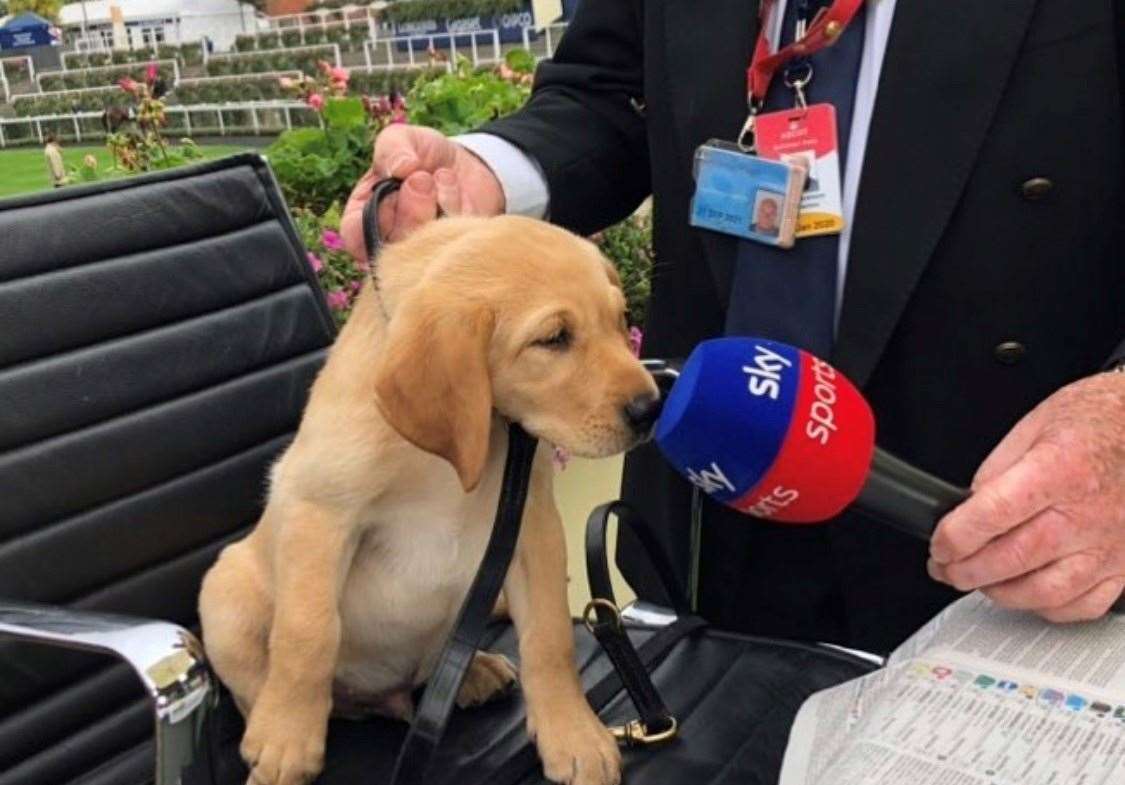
(158, 337)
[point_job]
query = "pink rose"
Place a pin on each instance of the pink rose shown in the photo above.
(316, 101)
(635, 339)
(128, 85)
(315, 262)
(338, 300)
(332, 240)
(338, 75)
(151, 73)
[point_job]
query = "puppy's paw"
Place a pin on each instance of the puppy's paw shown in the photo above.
(282, 750)
(489, 676)
(575, 747)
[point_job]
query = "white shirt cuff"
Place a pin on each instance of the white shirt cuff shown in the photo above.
(521, 177)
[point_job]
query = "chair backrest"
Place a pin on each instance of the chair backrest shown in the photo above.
(158, 338)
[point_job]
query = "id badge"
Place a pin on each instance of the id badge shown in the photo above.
(746, 195)
(808, 137)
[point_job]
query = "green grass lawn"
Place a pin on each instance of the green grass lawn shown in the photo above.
(24, 169)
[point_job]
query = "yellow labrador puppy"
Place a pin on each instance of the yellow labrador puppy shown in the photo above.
(379, 511)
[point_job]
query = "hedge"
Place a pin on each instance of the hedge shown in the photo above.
(279, 60)
(414, 10)
(189, 54)
(383, 82)
(66, 104)
(349, 40)
(266, 88)
(76, 79)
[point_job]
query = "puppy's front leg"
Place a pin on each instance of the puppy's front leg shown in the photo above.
(310, 551)
(574, 745)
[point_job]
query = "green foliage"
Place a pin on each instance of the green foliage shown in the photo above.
(188, 54)
(414, 10)
(336, 270)
(386, 81)
(460, 101)
(48, 9)
(263, 88)
(629, 247)
(317, 167)
(521, 61)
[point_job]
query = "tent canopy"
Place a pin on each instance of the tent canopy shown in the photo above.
(27, 30)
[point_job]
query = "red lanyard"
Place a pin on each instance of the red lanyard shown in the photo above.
(823, 31)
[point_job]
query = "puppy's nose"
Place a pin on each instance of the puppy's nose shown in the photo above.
(642, 411)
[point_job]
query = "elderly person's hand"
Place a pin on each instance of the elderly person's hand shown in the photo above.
(1045, 527)
(437, 173)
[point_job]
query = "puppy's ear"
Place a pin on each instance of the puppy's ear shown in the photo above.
(432, 383)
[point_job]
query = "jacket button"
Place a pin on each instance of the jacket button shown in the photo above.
(1036, 189)
(1009, 352)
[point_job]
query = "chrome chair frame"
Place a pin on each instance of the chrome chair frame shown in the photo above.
(168, 660)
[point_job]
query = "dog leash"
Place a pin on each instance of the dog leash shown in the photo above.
(432, 713)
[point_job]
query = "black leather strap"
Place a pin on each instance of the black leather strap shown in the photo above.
(608, 628)
(597, 556)
(441, 690)
(372, 239)
(651, 653)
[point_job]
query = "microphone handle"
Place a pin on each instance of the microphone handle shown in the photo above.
(905, 497)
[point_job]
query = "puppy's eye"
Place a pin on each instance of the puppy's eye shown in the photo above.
(557, 341)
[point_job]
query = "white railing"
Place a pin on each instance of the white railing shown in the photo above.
(118, 67)
(548, 40)
(28, 63)
(265, 117)
(5, 88)
(256, 53)
(483, 48)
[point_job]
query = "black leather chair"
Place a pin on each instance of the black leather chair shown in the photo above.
(158, 337)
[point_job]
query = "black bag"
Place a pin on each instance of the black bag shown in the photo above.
(733, 698)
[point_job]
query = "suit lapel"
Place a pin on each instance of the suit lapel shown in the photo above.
(708, 49)
(943, 75)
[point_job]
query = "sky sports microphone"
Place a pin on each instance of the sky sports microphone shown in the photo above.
(779, 434)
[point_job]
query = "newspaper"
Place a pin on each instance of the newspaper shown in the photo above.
(979, 696)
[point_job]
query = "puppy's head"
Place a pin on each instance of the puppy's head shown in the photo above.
(514, 315)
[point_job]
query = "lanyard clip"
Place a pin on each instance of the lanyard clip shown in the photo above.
(745, 139)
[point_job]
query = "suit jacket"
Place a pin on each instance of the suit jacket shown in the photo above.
(954, 253)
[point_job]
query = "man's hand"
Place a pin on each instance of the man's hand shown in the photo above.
(437, 174)
(1045, 527)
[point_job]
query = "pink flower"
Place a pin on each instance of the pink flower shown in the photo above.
(338, 75)
(128, 85)
(332, 240)
(338, 300)
(635, 339)
(316, 101)
(315, 262)
(355, 286)
(287, 83)
(151, 73)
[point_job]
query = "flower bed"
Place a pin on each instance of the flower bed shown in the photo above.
(413, 10)
(16, 69)
(103, 76)
(304, 60)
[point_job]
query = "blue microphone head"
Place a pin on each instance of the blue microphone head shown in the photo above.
(726, 418)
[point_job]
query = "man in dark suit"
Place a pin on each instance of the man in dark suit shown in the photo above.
(981, 277)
